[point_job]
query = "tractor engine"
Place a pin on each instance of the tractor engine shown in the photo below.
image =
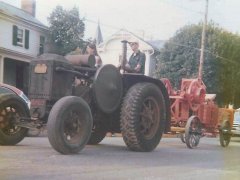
(47, 84)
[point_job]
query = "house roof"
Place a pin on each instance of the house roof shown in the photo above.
(158, 44)
(147, 42)
(152, 44)
(12, 11)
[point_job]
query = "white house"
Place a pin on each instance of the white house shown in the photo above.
(22, 38)
(111, 50)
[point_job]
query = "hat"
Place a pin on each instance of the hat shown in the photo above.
(133, 40)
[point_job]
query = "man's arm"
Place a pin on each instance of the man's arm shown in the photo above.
(129, 69)
(138, 68)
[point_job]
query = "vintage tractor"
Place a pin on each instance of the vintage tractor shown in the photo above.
(79, 104)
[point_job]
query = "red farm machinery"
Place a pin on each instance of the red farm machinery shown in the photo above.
(194, 113)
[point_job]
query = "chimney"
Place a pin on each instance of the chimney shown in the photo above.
(29, 6)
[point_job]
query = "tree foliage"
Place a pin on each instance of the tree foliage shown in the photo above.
(180, 59)
(67, 29)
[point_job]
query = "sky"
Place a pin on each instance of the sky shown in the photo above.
(149, 19)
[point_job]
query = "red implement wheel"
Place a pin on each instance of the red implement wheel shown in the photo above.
(193, 132)
(225, 133)
(182, 137)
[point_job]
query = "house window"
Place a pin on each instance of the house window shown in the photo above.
(20, 37)
(41, 45)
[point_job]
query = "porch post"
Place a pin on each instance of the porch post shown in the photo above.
(1, 68)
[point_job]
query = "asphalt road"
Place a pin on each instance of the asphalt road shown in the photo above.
(34, 158)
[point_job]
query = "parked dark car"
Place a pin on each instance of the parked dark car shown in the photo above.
(5, 88)
(236, 123)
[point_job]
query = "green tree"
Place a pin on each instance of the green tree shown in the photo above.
(67, 29)
(228, 55)
(180, 59)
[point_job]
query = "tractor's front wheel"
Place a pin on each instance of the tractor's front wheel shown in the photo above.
(141, 117)
(69, 125)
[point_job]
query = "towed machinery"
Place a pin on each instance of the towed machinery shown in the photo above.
(79, 104)
(194, 113)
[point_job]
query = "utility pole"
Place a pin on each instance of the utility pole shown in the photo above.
(203, 43)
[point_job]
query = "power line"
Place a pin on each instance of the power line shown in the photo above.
(206, 50)
(223, 58)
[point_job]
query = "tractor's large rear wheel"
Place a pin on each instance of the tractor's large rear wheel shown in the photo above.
(225, 133)
(69, 125)
(141, 117)
(12, 108)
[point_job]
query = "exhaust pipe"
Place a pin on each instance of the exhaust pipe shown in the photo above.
(124, 54)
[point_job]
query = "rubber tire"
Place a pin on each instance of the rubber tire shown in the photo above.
(182, 137)
(55, 124)
(16, 102)
(99, 127)
(96, 137)
(222, 138)
(130, 117)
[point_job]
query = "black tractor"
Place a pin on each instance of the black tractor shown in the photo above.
(79, 104)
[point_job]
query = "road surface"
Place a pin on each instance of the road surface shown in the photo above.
(35, 159)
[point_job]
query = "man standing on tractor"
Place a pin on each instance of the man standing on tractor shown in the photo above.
(136, 63)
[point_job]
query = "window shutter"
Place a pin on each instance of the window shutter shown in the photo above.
(15, 29)
(26, 39)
